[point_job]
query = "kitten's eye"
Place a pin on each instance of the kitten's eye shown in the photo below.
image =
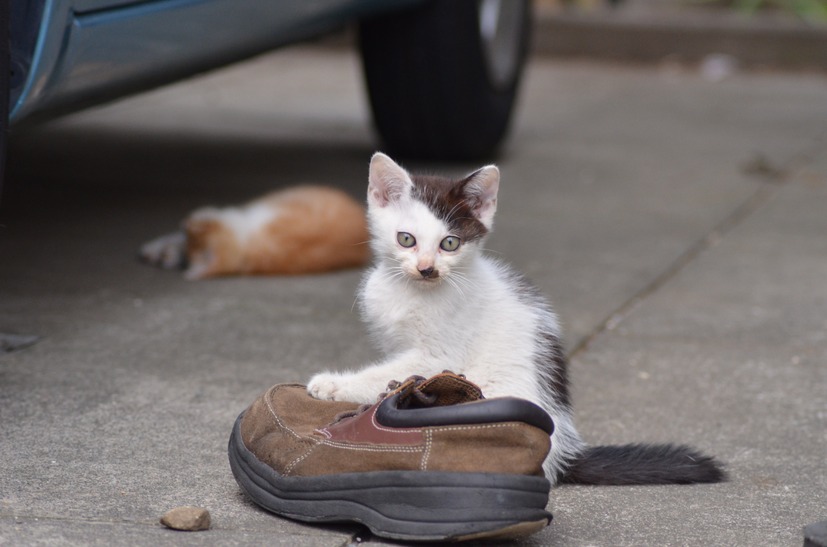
(450, 243)
(405, 239)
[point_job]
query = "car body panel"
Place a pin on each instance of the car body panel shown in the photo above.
(88, 51)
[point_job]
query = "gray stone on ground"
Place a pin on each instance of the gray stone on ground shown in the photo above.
(187, 518)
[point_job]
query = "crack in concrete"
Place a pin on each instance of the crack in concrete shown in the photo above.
(753, 203)
(771, 183)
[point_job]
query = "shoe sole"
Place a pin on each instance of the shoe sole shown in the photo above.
(406, 505)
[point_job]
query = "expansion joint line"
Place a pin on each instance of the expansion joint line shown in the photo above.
(760, 197)
(768, 188)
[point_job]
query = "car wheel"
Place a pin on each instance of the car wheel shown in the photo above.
(443, 77)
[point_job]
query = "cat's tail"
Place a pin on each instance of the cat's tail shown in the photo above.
(642, 464)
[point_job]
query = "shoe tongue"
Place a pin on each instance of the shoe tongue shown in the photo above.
(443, 389)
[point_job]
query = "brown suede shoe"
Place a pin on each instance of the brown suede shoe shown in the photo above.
(432, 460)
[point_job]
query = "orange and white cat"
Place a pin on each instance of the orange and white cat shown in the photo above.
(300, 230)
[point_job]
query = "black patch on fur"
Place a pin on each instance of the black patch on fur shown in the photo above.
(550, 356)
(643, 464)
(556, 365)
(447, 200)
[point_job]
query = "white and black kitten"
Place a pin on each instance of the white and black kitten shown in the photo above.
(435, 301)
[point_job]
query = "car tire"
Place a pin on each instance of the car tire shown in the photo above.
(5, 82)
(443, 77)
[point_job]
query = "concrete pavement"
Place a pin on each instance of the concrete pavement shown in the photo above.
(678, 224)
(680, 32)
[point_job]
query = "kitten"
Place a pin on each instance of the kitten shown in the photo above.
(435, 301)
(306, 229)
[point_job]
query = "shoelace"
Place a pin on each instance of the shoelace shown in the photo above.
(424, 399)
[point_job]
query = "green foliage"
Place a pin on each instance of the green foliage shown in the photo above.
(814, 11)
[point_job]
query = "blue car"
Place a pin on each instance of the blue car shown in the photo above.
(442, 74)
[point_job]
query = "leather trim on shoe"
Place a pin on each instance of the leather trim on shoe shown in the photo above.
(503, 409)
(363, 428)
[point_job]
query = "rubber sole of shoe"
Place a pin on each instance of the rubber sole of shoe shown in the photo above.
(406, 505)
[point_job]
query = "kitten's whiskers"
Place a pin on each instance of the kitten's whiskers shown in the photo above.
(455, 285)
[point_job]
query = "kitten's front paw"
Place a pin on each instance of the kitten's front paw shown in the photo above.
(323, 386)
(333, 386)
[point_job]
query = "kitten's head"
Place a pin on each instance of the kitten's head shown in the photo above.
(427, 228)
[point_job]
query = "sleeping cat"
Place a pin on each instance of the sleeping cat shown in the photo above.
(306, 229)
(435, 301)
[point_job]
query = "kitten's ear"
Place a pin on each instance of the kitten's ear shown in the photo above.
(480, 189)
(387, 181)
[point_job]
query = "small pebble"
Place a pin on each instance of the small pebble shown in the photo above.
(187, 518)
(717, 67)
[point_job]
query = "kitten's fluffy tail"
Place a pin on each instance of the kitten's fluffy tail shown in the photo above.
(643, 464)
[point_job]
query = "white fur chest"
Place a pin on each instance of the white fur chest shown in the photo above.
(488, 324)
(402, 316)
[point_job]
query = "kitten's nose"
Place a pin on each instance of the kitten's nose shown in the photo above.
(427, 272)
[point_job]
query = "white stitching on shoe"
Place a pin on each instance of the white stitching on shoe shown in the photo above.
(469, 427)
(267, 398)
(377, 426)
(427, 454)
(314, 442)
(334, 444)
(294, 463)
